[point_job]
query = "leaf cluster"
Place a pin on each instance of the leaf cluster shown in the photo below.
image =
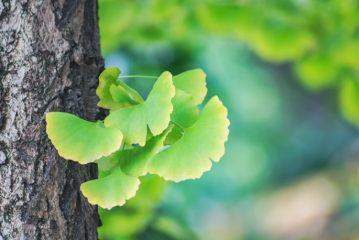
(164, 134)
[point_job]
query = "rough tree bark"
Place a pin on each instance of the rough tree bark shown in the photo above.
(49, 60)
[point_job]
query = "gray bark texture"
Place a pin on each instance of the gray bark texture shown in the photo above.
(49, 61)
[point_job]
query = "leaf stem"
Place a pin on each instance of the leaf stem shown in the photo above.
(178, 125)
(123, 146)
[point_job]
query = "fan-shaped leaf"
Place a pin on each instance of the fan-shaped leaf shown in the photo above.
(80, 140)
(111, 190)
(190, 156)
(154, 112)
(192, 82)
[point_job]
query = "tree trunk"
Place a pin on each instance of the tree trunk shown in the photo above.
(49, 61)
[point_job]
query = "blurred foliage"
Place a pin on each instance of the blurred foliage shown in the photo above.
(281, 134)
(138, 217)
(323, 46)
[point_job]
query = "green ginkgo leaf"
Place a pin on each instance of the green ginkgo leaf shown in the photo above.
(192, 82)
(113, 93)
(119, 95)
(106, 79)
(190, 156)
(154, 112)
(185, 111)
(185, 114)
(134, 162)
(112, 190)
(108, 163)
(131, 93)
(80, 140)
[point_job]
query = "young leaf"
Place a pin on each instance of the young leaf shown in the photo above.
(80, 140)
(119, 95)
(190, 156)
(132, 93)
(113, 93)
(192, 82)
(111, 190)
(154, 112)
(106, 79)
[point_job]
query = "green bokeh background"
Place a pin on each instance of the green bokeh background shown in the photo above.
(287, 70)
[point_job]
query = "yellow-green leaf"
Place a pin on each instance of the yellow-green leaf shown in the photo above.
(154, 112)
(80, 140)
(113, 93)
(106, 79)
(119, 95)
(112, 190)
(185, 114)
(185, 111)
(134, 162)
(192, 82)
(191, 155)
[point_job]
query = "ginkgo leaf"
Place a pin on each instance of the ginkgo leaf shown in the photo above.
(111, 190)
(132, 93)
(154, 112)
(134, 162)
(106, 79)
(119, 95)
(185, 111)
(185, 114)
(106, 164)
(113, 93)
(192, 82)
(191, 155)
(80, 140)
